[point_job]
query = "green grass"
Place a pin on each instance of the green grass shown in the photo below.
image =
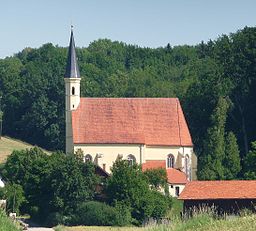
(6, 224)
(98, 228)
(8, 145)
(204, 222)
(200, 222)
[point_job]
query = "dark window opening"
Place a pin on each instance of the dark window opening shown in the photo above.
(73, 90)
(177, 191)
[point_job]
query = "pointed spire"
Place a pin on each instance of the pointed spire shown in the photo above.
(72, 70)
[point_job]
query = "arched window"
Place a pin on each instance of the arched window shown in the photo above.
(73, 90)
(170, 161)
(187, 165)
(131, 159)
(87, 158)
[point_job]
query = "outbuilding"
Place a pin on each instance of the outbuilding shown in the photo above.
(176, 179)
(226, 197)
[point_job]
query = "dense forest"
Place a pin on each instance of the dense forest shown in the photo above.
(215, 82)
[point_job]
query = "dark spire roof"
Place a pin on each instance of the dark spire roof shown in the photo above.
(72, 70)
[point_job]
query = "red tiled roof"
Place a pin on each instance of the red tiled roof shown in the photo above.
(233, 189)
(151, 121)
(175, 176)
(151, 164)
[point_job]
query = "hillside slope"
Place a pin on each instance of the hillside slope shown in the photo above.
(7, 145)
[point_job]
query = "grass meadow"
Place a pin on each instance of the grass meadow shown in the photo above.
(8, 145)
(202, 222)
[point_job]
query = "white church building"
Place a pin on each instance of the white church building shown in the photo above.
(149, 131)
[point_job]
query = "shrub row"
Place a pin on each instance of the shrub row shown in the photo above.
(94, 213)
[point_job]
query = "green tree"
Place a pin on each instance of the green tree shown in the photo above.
(250, 163)
(156, 177)
(71, 181)
(129, 185)
(237, 53)
(55, 183)
(231, 161)
(214, 149)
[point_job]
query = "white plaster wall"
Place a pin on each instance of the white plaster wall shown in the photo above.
(161, 153)
(72, 101)
(172, 190)
(69, 133)
(109, 152)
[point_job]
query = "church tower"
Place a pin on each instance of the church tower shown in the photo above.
(72, 91)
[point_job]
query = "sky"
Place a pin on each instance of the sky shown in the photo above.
(147, 23)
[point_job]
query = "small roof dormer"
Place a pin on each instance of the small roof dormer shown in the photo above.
(72, 70)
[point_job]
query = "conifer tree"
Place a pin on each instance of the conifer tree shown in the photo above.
(250, 163)
(211, 167)
(231, 162)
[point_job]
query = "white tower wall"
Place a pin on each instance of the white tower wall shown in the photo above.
(72, 100)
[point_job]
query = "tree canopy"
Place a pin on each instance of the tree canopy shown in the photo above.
(130, 186)
(51, 184)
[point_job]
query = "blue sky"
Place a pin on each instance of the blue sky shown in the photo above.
(147, 23)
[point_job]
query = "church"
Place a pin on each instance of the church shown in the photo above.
(149, 131)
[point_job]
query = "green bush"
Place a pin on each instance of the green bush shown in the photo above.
(95, 213)
(161, 204)
(153, 205)
(123, 214)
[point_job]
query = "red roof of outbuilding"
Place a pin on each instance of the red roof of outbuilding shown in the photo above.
(175, 176)
(233, 189)
(151, 121)
(151, 164)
